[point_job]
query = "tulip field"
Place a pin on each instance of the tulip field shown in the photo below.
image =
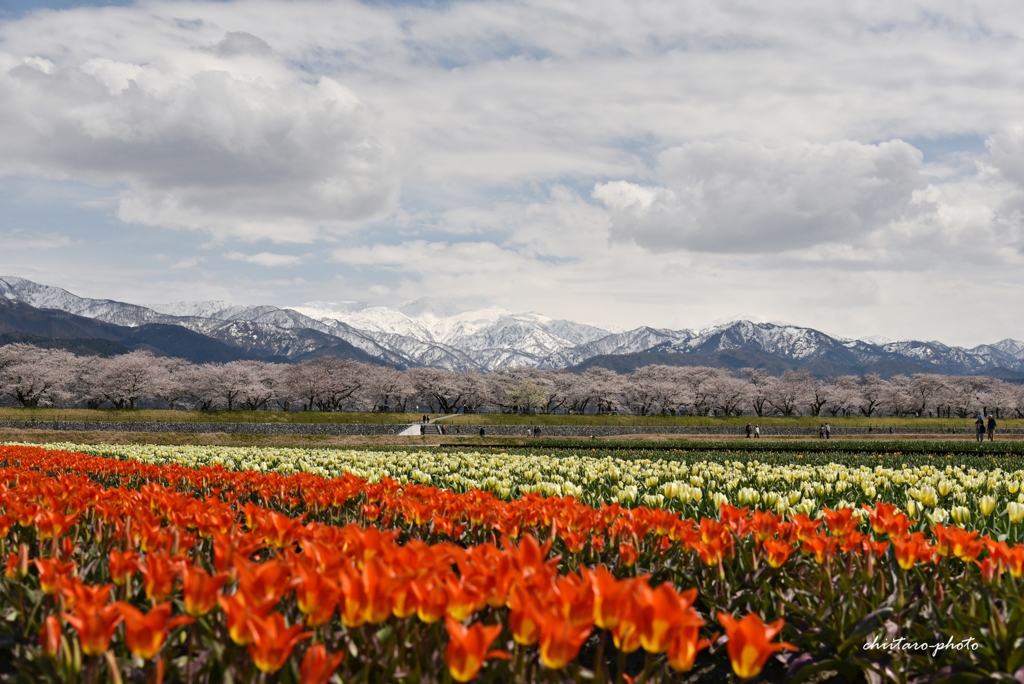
(215, 564)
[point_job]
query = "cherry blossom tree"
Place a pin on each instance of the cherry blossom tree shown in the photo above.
(126, 379)
(385, 388)
(730, 394)
(871, 389)
(759, 379)
(785, 394)
(33, 376)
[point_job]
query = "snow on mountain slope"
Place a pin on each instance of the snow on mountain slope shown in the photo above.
(434, 332)
(439, 333)
(46, 297)
(219, 310)
(1009, 347)
(788, 341)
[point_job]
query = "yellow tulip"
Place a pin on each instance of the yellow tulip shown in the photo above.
(1015, 511)
(986, 505)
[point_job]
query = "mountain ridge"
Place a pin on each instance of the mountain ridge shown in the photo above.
(435, 333)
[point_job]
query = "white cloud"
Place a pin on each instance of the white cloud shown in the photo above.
(200, 139)
(19, 239)
(265, 258)
(744, 197)
(655, 163)
(186, 264)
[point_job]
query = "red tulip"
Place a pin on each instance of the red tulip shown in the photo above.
(467, 648)
(273, 641)
(318, 665)
(750, 643)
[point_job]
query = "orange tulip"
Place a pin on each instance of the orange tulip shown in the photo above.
(467, 648)
(51, 524)
(609, 593)
(145, 633)
(403, 599)
(909, 550)
(318, 665)
(52, 572)
(560, 640)
(316, 596)
(1015, 561)
(431, 600)
(159, 575)
(626, 633)
(963, 544)
(686, 642)
(765, 524)
(805, 527)
(273, 641)
(199, 589)
(465, 597)
(750, 642)
(17, 563)
(628, 554)
(237, 611)
(887, 519)
(123, 564)
(822, 546)
(663, 609)
(776, 552)
(523, 617)
(95, 626)
(278, 529)
(840, 522)
(263, 584)
(50, 636)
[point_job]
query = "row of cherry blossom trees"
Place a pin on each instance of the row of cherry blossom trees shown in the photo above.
(32, 376)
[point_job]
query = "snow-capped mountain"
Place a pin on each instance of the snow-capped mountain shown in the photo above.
(436, 333)
(489, 338)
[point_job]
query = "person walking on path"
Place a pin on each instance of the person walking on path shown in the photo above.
(828, 431)
(821, 432)
(979, 429)
(991, 428)
(749, 430)
(757, 432)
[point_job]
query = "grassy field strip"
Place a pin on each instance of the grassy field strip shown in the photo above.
(737, 422)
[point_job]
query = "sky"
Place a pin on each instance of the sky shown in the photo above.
(856, 167)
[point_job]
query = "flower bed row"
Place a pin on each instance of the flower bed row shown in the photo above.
(988, 499)
(217, 575)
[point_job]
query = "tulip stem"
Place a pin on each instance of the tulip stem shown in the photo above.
(599, 658)
(648, 666)
(191, 639)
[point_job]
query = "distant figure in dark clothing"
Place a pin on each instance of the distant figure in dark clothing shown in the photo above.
(991, 428)
(828, 431)
(483, 432)
(749, 430)
(979, 429)
(821, 432)
(423, 429)
(536, 432)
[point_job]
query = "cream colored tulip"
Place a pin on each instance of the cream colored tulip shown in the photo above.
(986, 505)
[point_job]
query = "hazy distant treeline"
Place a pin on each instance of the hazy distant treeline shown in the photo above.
(32, 376)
